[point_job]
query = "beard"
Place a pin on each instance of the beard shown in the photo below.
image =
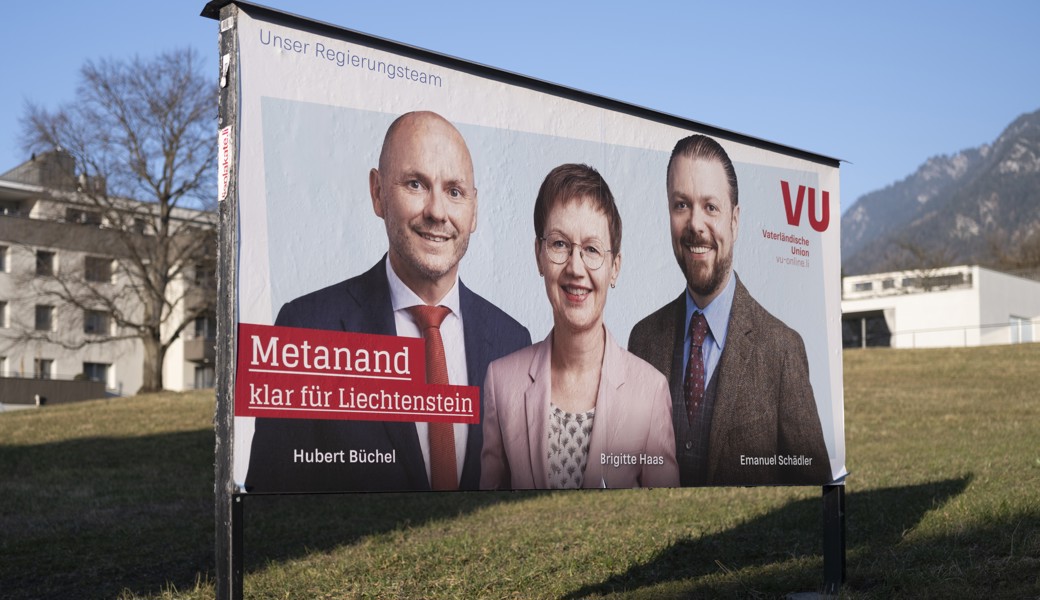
(703, 279)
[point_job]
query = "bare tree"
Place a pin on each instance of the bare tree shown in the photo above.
(141, 133)
(1020, 257)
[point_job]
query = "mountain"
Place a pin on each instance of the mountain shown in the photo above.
(974, 207)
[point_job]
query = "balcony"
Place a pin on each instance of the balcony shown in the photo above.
(200, 349)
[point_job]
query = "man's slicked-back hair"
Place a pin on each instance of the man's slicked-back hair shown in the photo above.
(705, 148)
(574, 182)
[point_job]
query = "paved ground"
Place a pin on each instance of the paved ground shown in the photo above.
(7, 407)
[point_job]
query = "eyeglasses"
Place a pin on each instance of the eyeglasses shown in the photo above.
(559, 249)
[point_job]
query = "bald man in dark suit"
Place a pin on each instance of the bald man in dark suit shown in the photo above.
(424, 192)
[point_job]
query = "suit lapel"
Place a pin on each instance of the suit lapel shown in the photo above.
(536, 406)
(369, 308)
(608, 414)
(478, 350)
(733, 368)
(666, 338)
(677, 333)
(475, 334)
(373, 312)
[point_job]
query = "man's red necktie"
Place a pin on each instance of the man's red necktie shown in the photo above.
(443, 472)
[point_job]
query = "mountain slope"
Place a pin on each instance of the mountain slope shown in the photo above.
(953, 209)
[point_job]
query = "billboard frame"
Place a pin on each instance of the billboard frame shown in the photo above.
(230, 501)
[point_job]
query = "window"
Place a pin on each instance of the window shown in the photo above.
(10, 207)
(864, 286)
(1021, 330)
(3, 367)
(83, 217)
(140, 226)
(44, 318)
(43, 368)
(3, 314)
(3, 259)
(45, 261)
(943, 281)
(205, 375)
(866, 329)
(888, 284)
(98, 269)
(96, 322)
(204, 274)
(205, 327)
(97, 372)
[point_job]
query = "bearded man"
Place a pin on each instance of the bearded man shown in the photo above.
(743, 408)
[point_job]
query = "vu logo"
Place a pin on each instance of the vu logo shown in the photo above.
(794, 209)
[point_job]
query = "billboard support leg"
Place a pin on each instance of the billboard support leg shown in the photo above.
(833, 539)
(237, 517)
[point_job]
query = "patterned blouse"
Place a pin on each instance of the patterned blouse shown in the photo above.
(568, 448)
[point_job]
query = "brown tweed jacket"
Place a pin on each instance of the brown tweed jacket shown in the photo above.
(764, 404)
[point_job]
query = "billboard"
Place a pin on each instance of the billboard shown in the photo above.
(452, 277)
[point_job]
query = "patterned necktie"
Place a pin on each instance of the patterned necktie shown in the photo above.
(693, 384)
(443, 472)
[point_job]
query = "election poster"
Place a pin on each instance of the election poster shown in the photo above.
(452, 277)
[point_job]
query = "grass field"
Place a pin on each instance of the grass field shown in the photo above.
(114, 499)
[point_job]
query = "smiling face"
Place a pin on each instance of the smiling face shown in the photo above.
(704, 225)
(576, 293)
(425, 194)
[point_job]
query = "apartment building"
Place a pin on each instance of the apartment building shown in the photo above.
(66, 296)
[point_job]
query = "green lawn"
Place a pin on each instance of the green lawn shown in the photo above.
(114, 498)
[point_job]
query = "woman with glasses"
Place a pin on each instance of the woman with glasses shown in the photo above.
(576, 410)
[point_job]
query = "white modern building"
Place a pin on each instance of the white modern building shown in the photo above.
(945, 307)
(49, 239)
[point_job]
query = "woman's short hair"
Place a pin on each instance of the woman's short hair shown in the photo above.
(577, 182)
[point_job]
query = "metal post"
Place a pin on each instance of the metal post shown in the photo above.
(833, 539)
(237, 517)
(228, 502)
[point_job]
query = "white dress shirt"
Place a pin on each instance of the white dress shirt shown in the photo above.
(452, 335)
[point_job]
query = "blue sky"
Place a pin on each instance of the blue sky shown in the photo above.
(882, 85)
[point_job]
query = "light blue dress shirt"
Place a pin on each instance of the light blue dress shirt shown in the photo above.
(717, 314)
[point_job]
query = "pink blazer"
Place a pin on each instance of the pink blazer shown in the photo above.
(632, 444)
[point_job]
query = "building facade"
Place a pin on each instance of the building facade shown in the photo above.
(947, 307)
(66, 296)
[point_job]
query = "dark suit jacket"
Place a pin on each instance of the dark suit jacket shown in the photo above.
(362, 305)
(764, 403)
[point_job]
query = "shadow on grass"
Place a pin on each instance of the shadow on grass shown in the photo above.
(94, 517)
(284, 527)
(88, 518)
(780, 548)
(91, 518)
